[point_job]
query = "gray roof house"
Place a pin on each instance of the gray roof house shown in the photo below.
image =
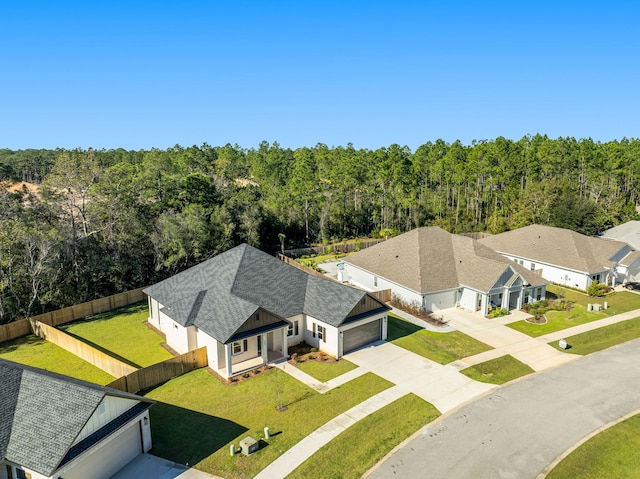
(247, 307)
(433, 269)
(54, 426)
(628, 232)
(563, 256)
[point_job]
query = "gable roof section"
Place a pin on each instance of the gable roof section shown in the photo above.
(557, 246)
(42, 413)
(430, 259)
(628, 232)
(220, 294)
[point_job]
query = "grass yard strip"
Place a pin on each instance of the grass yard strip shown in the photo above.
(612, 453)
(324, 372)
(34, 351)
(602, 338)
(122, 334)
(197, 417)
(366, 442)
(618, 302)
(440, 347)
(498, 371)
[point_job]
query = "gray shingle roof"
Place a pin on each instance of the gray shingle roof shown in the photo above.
(220, 294)
(557, 246)
(430, 259)
(42, 413)
(628, 232)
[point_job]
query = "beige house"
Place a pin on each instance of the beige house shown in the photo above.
(435, 270)
(565, 257)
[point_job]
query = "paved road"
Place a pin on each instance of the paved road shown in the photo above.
(518, 430)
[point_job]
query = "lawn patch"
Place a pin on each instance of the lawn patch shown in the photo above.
(602, 338)
(366, 442)
(122, 333)
(440, 347)
(612, 453)
(325, 371)
(498, 371)
(197, 404)
(34, 351)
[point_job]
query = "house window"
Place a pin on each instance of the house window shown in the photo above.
(363, 300)
(257, 316)
(375, 281)
(533, 266)
(527, 295)
(293, 329)
(239, 347)
(321, 333)
(595, 277)
(538, 294)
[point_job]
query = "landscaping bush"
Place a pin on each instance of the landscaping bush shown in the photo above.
(597, 290)
(498, 313)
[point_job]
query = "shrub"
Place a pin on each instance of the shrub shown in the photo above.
(498, 312)
(313, 350)
(597, 290)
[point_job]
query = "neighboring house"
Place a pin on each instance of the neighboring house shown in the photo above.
(563, 256)
(628, 232)
(247, 307)
(435, 270)
(54, 426)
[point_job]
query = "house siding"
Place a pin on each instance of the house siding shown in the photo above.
(366, 280)
(109, 409)
(330, 342)
(440, 300)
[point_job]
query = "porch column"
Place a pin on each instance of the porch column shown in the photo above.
(265, 348)
(285, 343)
(506, 297)
(227, 350)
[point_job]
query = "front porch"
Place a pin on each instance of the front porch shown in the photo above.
(250, 364)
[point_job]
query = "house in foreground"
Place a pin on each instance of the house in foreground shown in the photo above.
(57, 427)
(435, 270)
(248, 307)
(565, 257)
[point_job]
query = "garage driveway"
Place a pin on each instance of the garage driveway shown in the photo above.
(442, 386)
(149, 466)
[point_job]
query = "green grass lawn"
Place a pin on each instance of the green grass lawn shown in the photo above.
(619, 302)
(34, 351)
(323, 372)
(122, 334)
(366, 442)
(440, 347)
(602, 338)
(198, 417)
(611, 454)
(498, 371)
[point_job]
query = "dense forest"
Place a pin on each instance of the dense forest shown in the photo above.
(103, 221)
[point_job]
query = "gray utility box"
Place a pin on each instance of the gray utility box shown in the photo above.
(249, 445)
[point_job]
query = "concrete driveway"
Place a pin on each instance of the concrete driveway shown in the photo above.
(147, 466)
(442, 386)
(521, 428)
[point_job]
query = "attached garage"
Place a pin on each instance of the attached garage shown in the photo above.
(360, 335)
(117, 451)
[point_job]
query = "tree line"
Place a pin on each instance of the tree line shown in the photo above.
(104, 221)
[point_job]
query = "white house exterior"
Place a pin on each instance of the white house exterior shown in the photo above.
(59, 427)
(563, 256)
(247, 308)
(434, 270)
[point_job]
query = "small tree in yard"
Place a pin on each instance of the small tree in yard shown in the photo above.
(597, 289)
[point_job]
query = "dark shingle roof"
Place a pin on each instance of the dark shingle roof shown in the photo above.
(557, 246)
(42, 413)
(220, 294)
(430, 259)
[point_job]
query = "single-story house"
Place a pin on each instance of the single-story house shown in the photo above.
(628, 232)
(563, 256)
(433, 270)
(248, 307)
(56, 427)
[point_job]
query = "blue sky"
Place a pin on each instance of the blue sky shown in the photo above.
(137, 75)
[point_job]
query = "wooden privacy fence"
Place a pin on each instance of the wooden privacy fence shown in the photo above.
(160, 372)
(22, 327)
(82, 350)
(383, 295)
(304, 268)
(334, 248)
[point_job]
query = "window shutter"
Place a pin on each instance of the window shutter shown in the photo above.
(314, 330)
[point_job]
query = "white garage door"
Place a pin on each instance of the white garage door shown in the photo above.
(111, 457)
(365, 334)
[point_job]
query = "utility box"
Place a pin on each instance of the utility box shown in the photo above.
(597, 307)
(562, 344)
(249, 445)
(589, 307)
